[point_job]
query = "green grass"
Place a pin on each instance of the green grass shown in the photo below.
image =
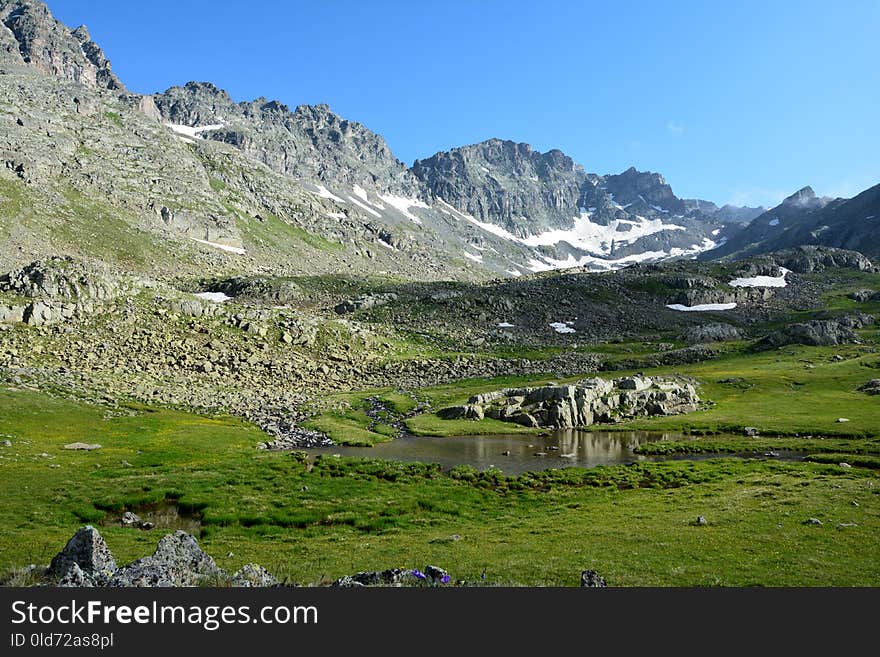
(347, 428)
(12, 197)
(634, 524)
(796, 391)
(272, 232)
(114, 117)
(88, 221)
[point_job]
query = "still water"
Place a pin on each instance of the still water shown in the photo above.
(517, 453)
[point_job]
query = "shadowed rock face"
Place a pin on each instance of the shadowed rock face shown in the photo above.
(818, 333)
(805, 219)
(588, 402)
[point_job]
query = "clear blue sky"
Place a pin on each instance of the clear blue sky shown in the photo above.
(739, 102)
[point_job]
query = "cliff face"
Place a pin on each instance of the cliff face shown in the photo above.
(310, 143)
(43, 43)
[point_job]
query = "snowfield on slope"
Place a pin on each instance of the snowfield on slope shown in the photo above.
(762, 281)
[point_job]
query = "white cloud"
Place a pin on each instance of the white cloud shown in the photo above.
(675, 127)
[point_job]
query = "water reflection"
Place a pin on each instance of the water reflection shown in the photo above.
(515, 453)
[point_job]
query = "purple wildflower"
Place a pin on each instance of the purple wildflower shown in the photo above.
(444, 579)
(418, 573)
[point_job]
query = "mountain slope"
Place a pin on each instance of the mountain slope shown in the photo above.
(805, 219)
(193, 177)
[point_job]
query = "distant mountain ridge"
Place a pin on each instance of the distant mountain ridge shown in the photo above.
(806, 219)
(496, 207)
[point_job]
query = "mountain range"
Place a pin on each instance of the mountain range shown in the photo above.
(188, 178)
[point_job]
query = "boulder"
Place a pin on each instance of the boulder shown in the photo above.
(253, 575)
(391, 577)
(87, 447)
(872, 387)
(88, 553)
(590, 579)
(177, 561)
(637, 383)
(436, 575)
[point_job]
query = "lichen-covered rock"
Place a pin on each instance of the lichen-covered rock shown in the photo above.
(177, 561)
(86, 552)
(253, 575)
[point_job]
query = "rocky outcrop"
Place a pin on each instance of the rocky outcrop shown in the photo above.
(809, 258)
(432, 576)
(62, 288)
(52, 48)
(85, 560)
(310, 143)
(716, 332)
(178, 561)
(872, 387)
(588, 402)
(818, 333)
(365, 302)
(864, 295)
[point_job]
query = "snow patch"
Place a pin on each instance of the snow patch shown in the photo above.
(549, 264)
(216, 297)
(562, 327)
(702, 307)
(336, 215)
(762, 281)
(193, 131)
(774, 222)
(224, 247)
(403, 204)
(471, 256)
(364, 206)
(361, 193)
(323, 192)
(505, 325)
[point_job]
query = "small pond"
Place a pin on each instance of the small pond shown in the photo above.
(518, 453)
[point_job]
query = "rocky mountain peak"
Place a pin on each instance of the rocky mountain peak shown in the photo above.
(633, 186)
(803, 197)
(49, 46)
(311, 143)
(506, 183)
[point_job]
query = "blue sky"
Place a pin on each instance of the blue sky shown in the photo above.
(739, 102)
